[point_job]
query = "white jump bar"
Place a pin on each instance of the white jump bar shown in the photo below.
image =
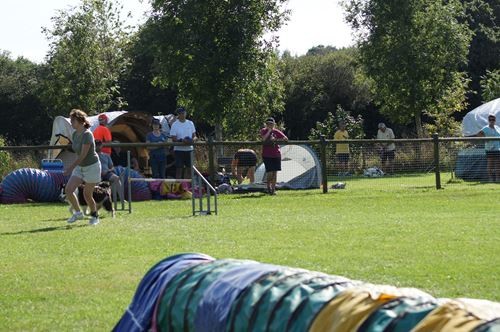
(163, 180)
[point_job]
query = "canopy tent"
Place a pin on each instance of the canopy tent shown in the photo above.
(127, 127)
(300, 168)
(471, 162)
(477, 119)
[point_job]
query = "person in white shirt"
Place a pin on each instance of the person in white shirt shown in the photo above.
(183, 130)
(387, 150)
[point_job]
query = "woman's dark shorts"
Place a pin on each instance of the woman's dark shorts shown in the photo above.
(272, 164)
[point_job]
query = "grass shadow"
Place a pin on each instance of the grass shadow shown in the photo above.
(420, 187)
(247, 195)
(45, 230)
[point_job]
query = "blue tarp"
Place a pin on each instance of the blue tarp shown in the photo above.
(471, 164)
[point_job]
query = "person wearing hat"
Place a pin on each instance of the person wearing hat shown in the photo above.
(388, 150)
(271, 153)
(102, 132)
(157, 156)
(492, 148)
(183, 130)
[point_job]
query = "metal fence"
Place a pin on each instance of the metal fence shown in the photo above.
(431, 162)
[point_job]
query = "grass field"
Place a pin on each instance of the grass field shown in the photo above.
(57, 277)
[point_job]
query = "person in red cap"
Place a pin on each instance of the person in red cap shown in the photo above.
(102, 133)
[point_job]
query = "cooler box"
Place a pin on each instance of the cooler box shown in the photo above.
(53, 165)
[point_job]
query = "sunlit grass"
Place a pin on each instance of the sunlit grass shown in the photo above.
(397, 231)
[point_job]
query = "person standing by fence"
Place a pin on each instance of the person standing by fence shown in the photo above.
(157, 156)
(342, 150)
(85, 169)
(271, 153)
(387, 150)
(492, 148)
(183, 130)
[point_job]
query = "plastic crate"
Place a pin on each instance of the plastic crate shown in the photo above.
(52, 165)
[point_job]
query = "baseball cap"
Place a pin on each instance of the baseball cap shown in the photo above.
(381, 125)
(181, 110)
(102, 117)
(270, 120)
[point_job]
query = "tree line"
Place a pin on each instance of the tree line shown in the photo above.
(418, 65)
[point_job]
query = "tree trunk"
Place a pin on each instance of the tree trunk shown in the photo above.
(420, 134)
(418, 125)
(218, 137)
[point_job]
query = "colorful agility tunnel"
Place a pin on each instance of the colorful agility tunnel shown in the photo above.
(194, 292)
(31, 184)
(27, 184)
(140, 189)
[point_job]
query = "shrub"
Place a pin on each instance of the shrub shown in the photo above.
(10, 161)
(5, 160)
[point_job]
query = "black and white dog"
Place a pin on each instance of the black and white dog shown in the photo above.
(101, 194)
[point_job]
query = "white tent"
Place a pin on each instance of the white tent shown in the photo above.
(300, 168)
(477, 119)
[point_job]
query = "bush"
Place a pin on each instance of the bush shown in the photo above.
(5, 160)
(10, 161)
(329, 126)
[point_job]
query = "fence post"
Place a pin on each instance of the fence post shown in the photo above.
(435, 139)
(211, 167)
(323, 163)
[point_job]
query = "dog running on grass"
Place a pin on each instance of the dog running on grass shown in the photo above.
(101, 195)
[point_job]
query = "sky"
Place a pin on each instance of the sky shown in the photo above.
(312, 23)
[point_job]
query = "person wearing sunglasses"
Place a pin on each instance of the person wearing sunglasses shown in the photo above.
(492, 148)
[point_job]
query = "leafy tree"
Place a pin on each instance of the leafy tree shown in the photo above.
(215, 55)
(482, 18)
(316, 85)
(328, 127)
(443, 122)
(21, 111)
(413, 50)
(136, 83)
(86, 58)
(321, 50)
(490, 85)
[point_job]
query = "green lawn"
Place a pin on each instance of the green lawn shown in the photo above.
(56, 277)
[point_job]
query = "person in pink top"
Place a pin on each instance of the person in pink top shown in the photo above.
(271, 153)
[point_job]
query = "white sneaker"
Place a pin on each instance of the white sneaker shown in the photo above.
(76, 216)
(94, 221)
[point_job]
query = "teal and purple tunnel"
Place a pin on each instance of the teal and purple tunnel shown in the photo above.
(194, 292)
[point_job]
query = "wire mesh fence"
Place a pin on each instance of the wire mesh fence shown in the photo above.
(320, 164)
